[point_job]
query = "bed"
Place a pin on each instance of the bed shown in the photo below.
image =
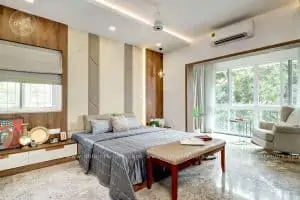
(119, 159)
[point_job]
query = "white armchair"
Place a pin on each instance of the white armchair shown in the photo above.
(284, 136)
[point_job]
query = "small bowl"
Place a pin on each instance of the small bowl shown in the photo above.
(25, 140)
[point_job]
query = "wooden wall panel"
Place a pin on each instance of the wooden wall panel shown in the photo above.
(154, 85)
(46, 34)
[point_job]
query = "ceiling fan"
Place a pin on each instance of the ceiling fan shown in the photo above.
(157, 25)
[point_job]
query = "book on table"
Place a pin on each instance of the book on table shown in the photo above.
(192, 141)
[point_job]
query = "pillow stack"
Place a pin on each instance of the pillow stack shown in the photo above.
(114, 123)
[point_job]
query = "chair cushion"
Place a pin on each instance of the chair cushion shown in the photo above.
(264, 134)
(101, 126)
(294, 117)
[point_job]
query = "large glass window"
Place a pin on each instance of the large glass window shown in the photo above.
(254, 93)
(27, 97)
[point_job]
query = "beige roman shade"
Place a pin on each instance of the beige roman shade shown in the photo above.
(28, 64)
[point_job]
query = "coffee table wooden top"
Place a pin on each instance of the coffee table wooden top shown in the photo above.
(175, 153)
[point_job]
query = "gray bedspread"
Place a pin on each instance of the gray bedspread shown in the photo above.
(119, 159)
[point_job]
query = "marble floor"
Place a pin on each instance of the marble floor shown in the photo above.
(251, 174)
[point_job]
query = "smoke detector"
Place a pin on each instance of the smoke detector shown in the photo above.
(158, 25)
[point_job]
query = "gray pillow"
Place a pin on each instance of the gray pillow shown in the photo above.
(88, 118)
(101, 126)
(133, 123)
(119, 123)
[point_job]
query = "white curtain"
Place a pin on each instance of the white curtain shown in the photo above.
(209, 93)
(198, 90)
(204, 93)
(298, 79)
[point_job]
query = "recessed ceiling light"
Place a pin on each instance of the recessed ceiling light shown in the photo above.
(29, 1)
(158, 44)
(112, 28)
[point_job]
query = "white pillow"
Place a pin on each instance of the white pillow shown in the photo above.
(101, 126)
(119, 123)
(133, 123)
(294, 118)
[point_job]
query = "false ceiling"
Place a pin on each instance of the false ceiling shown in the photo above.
(185, 19)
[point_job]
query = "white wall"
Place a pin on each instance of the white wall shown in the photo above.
(77, 78)
(111, 76)
(271, 28)
(138, 83)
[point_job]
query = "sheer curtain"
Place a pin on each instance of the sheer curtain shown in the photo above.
(198, 91)
(203, 97)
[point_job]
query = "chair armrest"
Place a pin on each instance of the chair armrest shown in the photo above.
(266, 125)
(286, 129)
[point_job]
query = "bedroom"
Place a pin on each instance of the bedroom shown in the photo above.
(104, 57)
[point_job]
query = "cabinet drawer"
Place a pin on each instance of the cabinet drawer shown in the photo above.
(51, 153)
(13, 161)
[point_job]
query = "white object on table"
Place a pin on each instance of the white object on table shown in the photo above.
(193, 142)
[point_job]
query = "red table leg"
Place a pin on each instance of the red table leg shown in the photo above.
(223, 159)
(174, 182)
(149, 173)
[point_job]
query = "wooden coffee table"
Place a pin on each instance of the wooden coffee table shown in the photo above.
(176, 156)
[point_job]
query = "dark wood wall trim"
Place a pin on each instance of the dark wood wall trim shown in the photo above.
(189, 66)
(154, 85)
(46, 34)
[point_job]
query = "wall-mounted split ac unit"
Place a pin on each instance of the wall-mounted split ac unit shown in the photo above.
(238, 31)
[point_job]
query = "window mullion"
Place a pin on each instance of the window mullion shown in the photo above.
(256, 95)
(21, 96)
(290, 81)
(230, 98)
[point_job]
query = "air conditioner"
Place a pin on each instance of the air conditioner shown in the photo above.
(235, 32)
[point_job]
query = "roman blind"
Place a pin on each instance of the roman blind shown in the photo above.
(28, 64)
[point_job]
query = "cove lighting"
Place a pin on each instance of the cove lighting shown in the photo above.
(29, 1)
(139, 18)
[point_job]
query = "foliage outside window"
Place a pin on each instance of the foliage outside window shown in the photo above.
(242, 84)
(27, 97)
(222, 93)
(255, 92)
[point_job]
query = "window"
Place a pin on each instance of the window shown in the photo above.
(242, 84)
(269, 80)
(222, 93)
(9, 95)
(255, 92)
(30, 79)
(221, 119)
(28, 97)
(270, 116)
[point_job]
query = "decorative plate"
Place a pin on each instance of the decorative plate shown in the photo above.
(39, 134)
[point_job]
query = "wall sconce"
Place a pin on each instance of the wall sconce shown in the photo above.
(161, 74)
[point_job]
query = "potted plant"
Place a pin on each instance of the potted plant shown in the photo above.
(198, 115)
